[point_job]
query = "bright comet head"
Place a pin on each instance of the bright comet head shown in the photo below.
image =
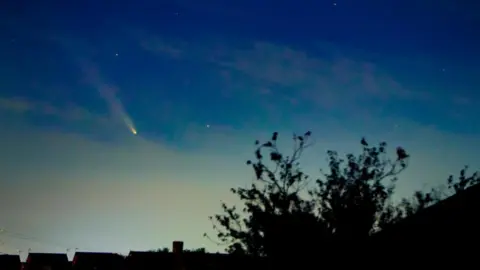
(133, 130)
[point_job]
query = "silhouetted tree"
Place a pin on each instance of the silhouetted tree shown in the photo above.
(274, 205)
(195, 250)
(423, 199)
(354, 196)
(167, 250)
(161, 250)
(283, 210)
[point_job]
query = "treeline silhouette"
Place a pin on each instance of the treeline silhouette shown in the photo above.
(346, 216)
(292, 218)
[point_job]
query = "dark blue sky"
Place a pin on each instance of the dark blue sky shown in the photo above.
(201, 80)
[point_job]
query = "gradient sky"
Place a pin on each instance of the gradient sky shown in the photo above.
(201, 80)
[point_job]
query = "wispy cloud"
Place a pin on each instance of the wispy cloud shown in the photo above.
(157, 45)
(325, 82)
(19, 105)
(462, 101)
(68, 112)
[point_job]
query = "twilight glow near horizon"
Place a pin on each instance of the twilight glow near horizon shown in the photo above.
(200, 83)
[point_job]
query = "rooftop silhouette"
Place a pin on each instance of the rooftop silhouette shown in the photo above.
(10, 262)
(453, 220)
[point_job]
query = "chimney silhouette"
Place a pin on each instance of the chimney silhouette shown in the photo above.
(177, 247)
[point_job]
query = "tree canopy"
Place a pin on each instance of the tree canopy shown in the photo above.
(284, 208)
(167, 250)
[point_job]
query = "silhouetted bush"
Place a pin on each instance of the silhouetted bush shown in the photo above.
(284, 213)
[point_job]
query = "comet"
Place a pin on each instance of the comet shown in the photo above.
(109, 93)
(133, 130)
(116, 107)
(93, 77)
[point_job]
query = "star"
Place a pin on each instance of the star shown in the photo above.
(334, 4)
(208, 126)
(116, 54)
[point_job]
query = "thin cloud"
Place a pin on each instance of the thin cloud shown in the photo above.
(17, 105)
(157, 45)
(70, 112)
(325, 82)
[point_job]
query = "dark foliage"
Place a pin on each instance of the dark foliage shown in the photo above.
(167, 250)
(284, 209)
(421, 199)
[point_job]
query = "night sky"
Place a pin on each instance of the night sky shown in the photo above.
(200, 81)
